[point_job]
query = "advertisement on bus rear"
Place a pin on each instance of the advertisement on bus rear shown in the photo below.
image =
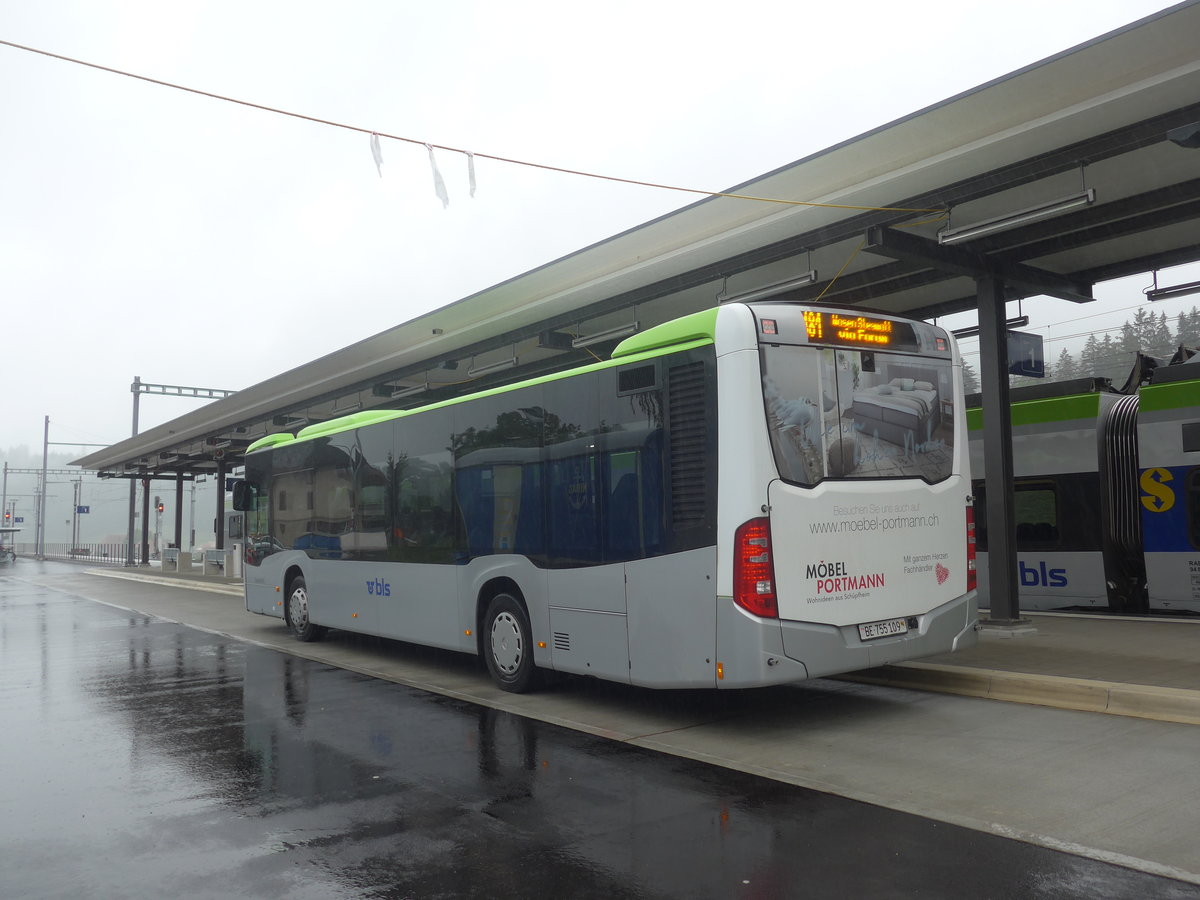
(900, 552)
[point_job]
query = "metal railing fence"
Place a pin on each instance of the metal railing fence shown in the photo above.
(96, 554)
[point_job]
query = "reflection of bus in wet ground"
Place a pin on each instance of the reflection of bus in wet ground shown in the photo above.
(300, 726)
(468, 792)
(1107, 492)
(751, 495)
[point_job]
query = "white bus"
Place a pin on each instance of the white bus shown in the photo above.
(750, 495)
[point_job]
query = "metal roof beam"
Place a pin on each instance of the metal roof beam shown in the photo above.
(911, 248)
(1117, 142)
(1180, 257)
(1064, 159)
(1158, 260)
(1129, 216)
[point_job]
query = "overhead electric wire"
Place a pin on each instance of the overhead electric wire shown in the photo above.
(449, 149)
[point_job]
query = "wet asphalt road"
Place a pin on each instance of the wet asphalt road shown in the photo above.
(140, 758)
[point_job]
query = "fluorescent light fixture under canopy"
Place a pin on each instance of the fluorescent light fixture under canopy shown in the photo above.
(1018, 218)
(609, 334)
(474, 372)
(401, 393)
(770, 290)
(973, 330)
(1176, 290)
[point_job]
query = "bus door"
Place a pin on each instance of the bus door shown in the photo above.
(588, 609)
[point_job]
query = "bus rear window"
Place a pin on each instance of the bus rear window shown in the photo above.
(858, 414)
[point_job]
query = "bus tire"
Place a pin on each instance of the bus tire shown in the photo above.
(297, 612)
(508, 644)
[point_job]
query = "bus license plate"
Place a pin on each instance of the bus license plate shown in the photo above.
(872, 630)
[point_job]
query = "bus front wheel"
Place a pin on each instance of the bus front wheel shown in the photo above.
(508, 644)
(297, 612)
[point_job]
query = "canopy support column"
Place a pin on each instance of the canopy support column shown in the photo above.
(179, 510)
(222, 469)
(145, 521)
(997, 456)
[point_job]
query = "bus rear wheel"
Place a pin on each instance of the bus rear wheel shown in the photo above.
(508, 644)
(297, 612)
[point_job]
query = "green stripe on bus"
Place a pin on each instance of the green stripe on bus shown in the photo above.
(345, 423)
(701, 326)
(1039, 412)
(271, 440)
(1173, 395)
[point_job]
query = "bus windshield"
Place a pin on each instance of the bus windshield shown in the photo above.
(835, 413)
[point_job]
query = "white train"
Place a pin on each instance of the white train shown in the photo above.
(1107, 491)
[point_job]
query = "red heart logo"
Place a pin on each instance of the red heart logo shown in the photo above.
(942, 573)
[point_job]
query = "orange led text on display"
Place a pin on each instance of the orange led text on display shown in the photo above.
(861, 329)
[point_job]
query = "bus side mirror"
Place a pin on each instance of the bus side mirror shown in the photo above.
(243, 496)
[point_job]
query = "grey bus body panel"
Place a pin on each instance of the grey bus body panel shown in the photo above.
(672, 619)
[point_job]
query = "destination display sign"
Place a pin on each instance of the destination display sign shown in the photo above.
(850, 328)
(856, 330)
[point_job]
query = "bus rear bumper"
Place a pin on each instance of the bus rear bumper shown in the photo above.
(750, 650)
(831, 650)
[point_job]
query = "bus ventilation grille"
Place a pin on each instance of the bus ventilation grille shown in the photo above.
(688, 425)
(562, 640)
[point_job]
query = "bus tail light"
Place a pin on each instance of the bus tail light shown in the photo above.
(753, 571)
(972, 580)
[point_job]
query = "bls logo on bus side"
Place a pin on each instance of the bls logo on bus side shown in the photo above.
(379, 588)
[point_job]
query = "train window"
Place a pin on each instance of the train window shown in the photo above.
(1036, 513)
(1191, 437)
(1058, 513)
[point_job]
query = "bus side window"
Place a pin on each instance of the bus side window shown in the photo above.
(634, 514)
(473, 487)
(423, 529)
(625, 537)
(573, 524)
(290, 522)
(422, 473)
(257, 518)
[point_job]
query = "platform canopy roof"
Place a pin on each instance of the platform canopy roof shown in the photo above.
(1116, 120)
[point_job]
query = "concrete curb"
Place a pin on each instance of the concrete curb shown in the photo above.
(233, 590)
(1138, 700)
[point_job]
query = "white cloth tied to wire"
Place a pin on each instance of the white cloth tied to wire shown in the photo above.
(377, 153)
(439, 186)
